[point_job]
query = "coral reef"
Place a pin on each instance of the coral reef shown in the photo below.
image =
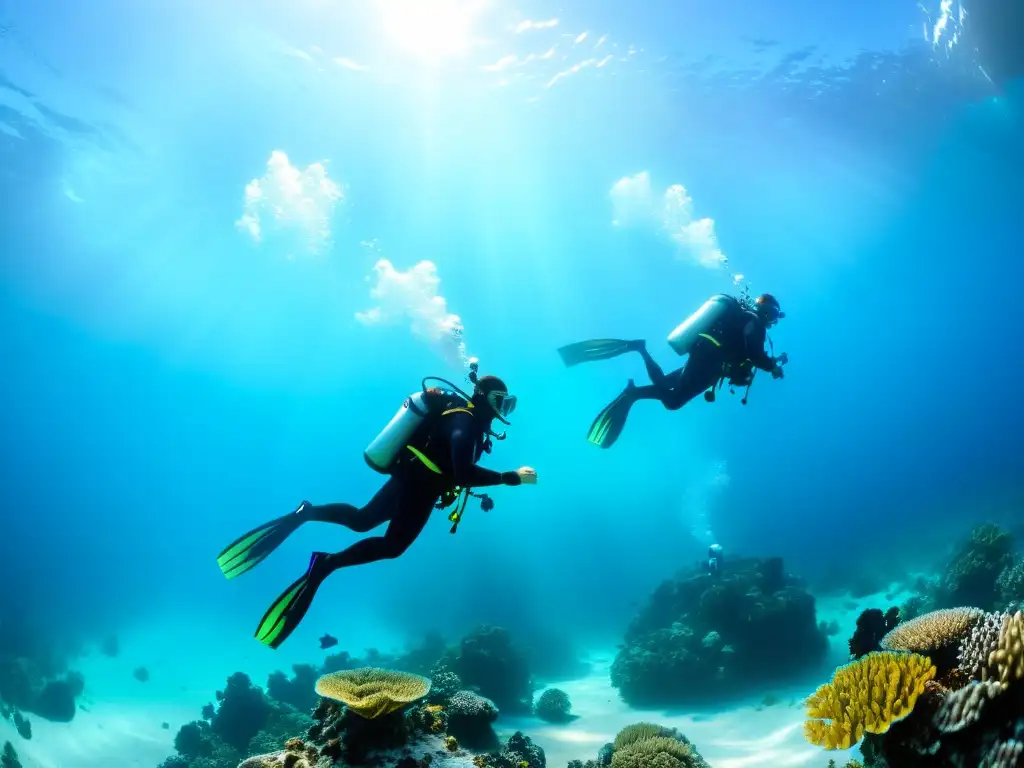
(938, 634)
(866, 696)
(554, 706)
(487, 661)
(970, 578)
(700, 636)
(872, 626)
(646, 745)
(371, 691)
(1006, 662)
(980, 644)
(245, 722)
(1010, 587)
(471, 718)
(972, 717)
(299, 691)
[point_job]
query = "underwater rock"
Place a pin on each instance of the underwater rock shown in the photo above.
(56, 702)
(554, 706)
(759, 625)
(141, 674)
(487, 660)
(9, 757)
(23, 726)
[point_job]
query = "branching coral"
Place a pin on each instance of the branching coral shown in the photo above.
(866, 696)
(1006, 662)
(372, 692)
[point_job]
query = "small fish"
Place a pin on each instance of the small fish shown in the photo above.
(328, 642)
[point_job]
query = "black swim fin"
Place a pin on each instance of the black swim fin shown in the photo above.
(610, 422)
(288, 610)
(597, 349)
(251, 549)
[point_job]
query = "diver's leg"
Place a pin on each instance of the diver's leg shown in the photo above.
(360, 519)
(654, 371)
(407, 523)
(701, 371)
(414, 504)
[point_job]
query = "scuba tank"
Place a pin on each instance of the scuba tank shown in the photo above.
(700, 322)
(381, 453)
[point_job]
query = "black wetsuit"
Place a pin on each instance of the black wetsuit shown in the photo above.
(455, 444)
(741, 335)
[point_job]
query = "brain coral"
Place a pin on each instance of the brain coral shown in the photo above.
(372, 692)
(866, 696)
(1006, 662)
(933, 631)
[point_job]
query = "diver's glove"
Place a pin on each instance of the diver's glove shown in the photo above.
(781, 360)
(523, 475)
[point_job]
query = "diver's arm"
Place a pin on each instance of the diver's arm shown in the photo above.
(465, 471)
(754, 337)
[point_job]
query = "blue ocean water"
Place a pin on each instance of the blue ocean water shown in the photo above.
(235, 236)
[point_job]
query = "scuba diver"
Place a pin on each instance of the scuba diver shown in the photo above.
(430, 449)
(725, 339)
(714, 559)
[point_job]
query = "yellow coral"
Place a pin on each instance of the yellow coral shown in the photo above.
(1006, 662)
(932, 631)
(865, 696)
(434, 708)
(372, 692)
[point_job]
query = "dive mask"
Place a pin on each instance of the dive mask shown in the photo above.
(502, 403)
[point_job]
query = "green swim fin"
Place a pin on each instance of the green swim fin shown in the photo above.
(610, 422)
(252, 548)
(291, 606)
(597, 349)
